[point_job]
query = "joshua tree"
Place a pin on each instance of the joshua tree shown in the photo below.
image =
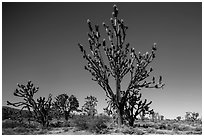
(65, 104)
(38, 109)
(191, 116)
(90, 105)
(195, 116)
(122, 60)
(43, 109)
(178, 118)
(135, 106)
(162, 117)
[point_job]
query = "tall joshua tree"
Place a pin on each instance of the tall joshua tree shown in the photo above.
(122, 60)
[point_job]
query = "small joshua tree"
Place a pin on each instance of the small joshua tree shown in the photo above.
(122, 60)
(195, 116)
(191, 116)
(38, 109)
(161, 117)
(178, 118)
(42, 110)
(65, 104)
(90, 106)
(135, 106)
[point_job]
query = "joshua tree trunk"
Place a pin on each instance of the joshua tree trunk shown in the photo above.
(118, 97)
(120, 117)
(66, 115)
(131, 122)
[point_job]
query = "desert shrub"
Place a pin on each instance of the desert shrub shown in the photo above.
(162, 126)
(56, 124)
(184, 127)
(99, 124)
(127, 130)
(65, 129)
(146, 124)
(161, 132)
(138, 124)
(21, 130)
(43, 131)
(32, 124)
(96, 124)
(169, 127)
(81, 122)
(156, 126)
(138, 131)
(8, 131)
(175, 126)
(198, 128)
(66, 124)
(151, 124)
(12, 124)
(17, 131)
(151, 130)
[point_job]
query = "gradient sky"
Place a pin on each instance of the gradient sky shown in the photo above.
(40, 44)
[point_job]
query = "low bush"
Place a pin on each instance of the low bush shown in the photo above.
(138, 131)
(56, 124)
(127, 130)
(12, 124)
(8, 131)
(81, 122)
(42, 131)
(175, 126)
(151, 130)
(96, 124)
(147, 125)
(21, 130)
(169, 127)
(162, 126)
(17, 131)
(66, 124)
(161, 132)
(198, 128)
(184, 127)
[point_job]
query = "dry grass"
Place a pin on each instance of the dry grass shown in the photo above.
(83, 125)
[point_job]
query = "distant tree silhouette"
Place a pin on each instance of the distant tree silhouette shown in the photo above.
(122, 60)
(178, 118)
(40, 108)
(191, 116)
(90, 105)
(65, 104)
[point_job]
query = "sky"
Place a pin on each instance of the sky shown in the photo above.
(39, 43)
